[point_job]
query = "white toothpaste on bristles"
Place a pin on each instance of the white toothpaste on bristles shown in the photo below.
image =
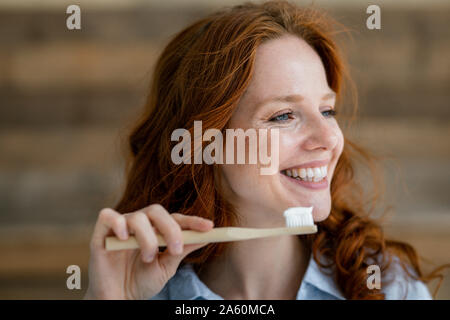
(298, 216)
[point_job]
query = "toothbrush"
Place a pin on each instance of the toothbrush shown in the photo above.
(299, 220)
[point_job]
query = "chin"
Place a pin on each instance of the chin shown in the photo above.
(321, 214)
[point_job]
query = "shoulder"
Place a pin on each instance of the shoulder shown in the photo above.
(397, 284)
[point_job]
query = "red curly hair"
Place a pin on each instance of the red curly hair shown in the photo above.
(200, 75)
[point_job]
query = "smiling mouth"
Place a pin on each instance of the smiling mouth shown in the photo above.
(316, 174)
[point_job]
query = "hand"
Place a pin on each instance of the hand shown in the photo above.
(139, 273)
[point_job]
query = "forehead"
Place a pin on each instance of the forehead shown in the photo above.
(285, 66)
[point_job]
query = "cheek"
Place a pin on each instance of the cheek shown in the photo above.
(340, 143)
(337, 152)
(240, 180)
(288, 144)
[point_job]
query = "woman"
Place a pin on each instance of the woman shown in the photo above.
(260, 66)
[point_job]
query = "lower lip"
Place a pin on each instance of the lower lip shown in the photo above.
(322, 184)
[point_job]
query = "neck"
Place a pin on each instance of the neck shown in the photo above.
(267, 268)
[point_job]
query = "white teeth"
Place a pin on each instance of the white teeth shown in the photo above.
(308, 174)
(302, 173)
(317, 173)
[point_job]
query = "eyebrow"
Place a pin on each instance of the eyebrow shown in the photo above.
(294, 98)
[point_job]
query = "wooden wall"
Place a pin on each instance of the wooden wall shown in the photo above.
(67, 97)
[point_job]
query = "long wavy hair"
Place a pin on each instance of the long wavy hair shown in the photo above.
(200, 75)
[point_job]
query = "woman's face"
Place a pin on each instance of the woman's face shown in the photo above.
(309, 136)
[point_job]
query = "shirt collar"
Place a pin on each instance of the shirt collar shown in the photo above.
(322, 280)
(186, 285)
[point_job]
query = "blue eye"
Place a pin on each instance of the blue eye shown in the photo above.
(329, 113)
(282, 117)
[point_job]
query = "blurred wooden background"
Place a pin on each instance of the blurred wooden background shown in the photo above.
(66, 98)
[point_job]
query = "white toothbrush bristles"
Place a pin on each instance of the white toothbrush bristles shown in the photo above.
(299, 216)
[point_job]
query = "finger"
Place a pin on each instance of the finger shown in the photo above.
(108, 219)
(167, 226)
(193, 222)
(145, 236)
(171, 262)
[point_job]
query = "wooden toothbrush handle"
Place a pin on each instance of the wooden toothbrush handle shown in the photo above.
(189, 237)
(222, 234)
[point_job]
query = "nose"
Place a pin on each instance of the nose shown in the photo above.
(321, 133)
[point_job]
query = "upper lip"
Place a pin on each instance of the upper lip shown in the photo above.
(311, 164)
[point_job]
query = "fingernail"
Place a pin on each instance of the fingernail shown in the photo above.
(177, 247)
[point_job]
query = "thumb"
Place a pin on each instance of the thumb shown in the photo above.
(171, 262)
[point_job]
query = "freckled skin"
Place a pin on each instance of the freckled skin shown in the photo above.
(285, 66)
